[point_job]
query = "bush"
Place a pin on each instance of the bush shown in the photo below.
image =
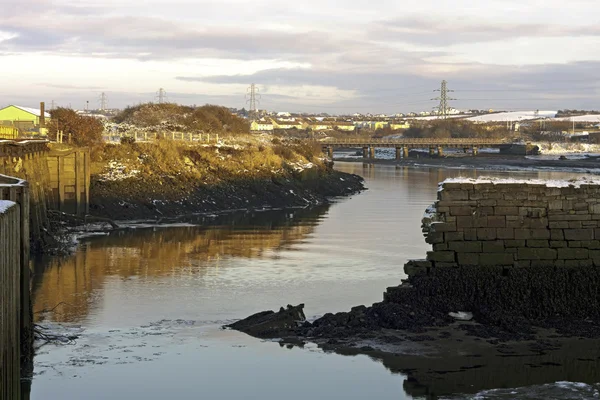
(128, 140)
(82, 130)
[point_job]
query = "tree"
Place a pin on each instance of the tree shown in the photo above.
(82, 130)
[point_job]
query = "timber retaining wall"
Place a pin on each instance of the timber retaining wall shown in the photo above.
(530, 248)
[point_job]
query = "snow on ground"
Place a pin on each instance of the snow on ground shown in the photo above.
(503, 181)
(567, 148)
(117, 172)
(581, 118)
(513, 116)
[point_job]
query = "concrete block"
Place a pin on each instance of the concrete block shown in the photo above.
(579, 234)
(573, 254)
(525, 253)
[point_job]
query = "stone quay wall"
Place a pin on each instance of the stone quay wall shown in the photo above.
(510, 248)
(514, 224)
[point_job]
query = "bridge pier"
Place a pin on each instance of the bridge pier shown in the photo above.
(398, 152)
(440, 151)
(372, 152)
(405, 151)
(431, 151)
(365, 152)
(475, 150)
(330, 152)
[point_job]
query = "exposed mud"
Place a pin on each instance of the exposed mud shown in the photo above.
(152, 197)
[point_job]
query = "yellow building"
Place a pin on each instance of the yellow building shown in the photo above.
(344, 126)
(279, 124)
(21, 117)
(261, 125)
(396, 126)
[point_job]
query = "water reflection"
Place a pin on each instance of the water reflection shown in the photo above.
(163, 251)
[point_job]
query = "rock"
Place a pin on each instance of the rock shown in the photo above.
(461, 315)
(270, 324)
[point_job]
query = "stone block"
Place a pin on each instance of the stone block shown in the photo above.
(514, 243)
(465, 247)
(575, 243)
(579, 234)
(569, 217)
(464, 222)
(526, 253)
(505, 233)
(532, 234)
(443, 227)
(573, 254)
(522, 264)
(578, 263)
(537, 243)
(535, 223)
(543, 263)
(580, 206)
(487, 202)
(470, 234)
(413, 267)
(555, 205)
(489, 259)
(441, 256)
(591, 244)
(557, 234)
(440, 247)
(468, 259)
(594, 208)
(496, 221)
(506, 210)
(454, 236)
(558, 243)
(575, 225)
(434, 237)
(445, 264)
(558, 224)
(461, 210)
(450, 195)
(495, 246)
(486, 233)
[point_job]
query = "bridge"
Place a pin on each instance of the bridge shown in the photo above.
(402, 146)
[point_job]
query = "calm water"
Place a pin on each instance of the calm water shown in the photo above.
(148, 303)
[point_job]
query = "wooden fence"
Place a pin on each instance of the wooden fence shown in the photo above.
(16, 342)
(145, 136)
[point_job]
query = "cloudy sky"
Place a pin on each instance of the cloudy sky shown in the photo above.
(315, 56)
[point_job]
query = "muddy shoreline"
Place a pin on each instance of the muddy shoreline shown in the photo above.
(489, 162)
(155, 198)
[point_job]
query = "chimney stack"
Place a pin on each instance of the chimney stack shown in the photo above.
(42, 115)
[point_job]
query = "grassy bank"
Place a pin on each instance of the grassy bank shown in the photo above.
(167, 178)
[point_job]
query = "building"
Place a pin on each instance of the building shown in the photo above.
(23, 118)
(344, 126)
(399, 125)
(280, 124)
(261, 125)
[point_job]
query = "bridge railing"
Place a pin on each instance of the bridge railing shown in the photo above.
(413, 141)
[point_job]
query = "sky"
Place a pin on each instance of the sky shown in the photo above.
(379, 56)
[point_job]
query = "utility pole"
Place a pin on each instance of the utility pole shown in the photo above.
(162, 96)
(87, 105)
(253, 98)
(52, 106)
(443, 98)
(103, 101)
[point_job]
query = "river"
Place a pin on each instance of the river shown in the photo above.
(148, 303)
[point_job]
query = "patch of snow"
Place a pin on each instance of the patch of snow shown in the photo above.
(5, 205)
(461, 315)
(567, 148)
(118, 172)
(513, 116)
(506, 181)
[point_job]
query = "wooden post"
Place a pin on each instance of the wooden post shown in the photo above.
(398, 153)
(365, 152)
(372, 152)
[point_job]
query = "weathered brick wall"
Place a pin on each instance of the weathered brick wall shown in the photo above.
(513, 224)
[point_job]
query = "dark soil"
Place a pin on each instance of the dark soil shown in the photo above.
(153, 197)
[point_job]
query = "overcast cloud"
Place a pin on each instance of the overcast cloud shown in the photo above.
(380, 56)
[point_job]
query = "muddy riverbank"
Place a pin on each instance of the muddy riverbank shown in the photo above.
(496, 162)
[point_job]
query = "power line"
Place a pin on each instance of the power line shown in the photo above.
(103, 101)
(443, 108)
(253, 98)
(161, 95)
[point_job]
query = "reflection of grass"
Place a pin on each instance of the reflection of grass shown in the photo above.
(159, 253)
